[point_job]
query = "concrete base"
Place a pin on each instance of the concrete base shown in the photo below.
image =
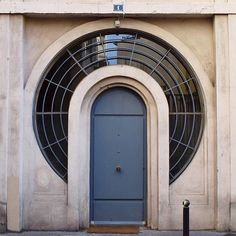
(2, 219)
(233, 217)
(142, 233)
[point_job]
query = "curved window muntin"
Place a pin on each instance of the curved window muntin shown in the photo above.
(170, 55)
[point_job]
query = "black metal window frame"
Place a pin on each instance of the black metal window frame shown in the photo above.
(112, 47)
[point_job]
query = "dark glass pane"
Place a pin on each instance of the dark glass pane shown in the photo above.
(160, 80)
(79, 45)
(196, 96)
(69, 75)
(48, 97)
(149, 50)
(65, 103)
(179, 100)
(153, 44)
(59, 92)
(173, 146)
(95, 65)
(151, 62)
(189, 127)
(172, 124)
(197, 130)
(40, 131)
(41, 96)
(74, 81)
(184, 127)
(177, 155)
(182, 162)
(188, 97)
(52, 159)
(172, 101)
(47, 124)
(60, 155)
(84, 49)
(64, 146)
(166, 76)
(60, 68)
(64, 121)
(141, 65)
(177, 68)
(57, 125)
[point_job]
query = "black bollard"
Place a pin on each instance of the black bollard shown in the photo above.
(186, 204)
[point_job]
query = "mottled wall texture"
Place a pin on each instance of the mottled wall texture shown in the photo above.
(32, 35)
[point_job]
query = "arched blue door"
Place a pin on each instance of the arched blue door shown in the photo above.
(118, 158)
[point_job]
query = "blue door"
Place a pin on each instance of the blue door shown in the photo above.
(118, 158)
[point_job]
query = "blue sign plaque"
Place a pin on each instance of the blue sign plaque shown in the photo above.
(118, 7)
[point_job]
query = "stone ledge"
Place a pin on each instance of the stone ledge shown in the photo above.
(106, 8)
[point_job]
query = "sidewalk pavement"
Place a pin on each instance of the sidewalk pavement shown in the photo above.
(142, 233)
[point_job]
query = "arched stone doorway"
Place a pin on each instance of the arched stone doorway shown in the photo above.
(79, 138)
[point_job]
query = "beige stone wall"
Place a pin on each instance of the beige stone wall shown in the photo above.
(32, 196)
(4, 22)
(41, 32)
(197, 34)
(11, 117)
(232, 85)
(126, 1)
(194, 34)
(131, 8)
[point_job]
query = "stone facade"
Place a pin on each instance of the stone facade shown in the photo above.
(32, 33)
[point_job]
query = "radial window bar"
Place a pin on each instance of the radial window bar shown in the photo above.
(137, 49)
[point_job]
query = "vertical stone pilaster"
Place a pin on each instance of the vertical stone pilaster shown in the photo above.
(232, 78)
(4, 62)
(15, 123)
(222, 122)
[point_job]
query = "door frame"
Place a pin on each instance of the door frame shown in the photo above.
(144, 182)
(157, 141)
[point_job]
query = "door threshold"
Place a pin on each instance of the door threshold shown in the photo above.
(118, 223)
(114, 229)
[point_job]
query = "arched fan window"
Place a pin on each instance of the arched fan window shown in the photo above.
(119, 47)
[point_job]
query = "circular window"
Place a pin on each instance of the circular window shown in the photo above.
(124, 47)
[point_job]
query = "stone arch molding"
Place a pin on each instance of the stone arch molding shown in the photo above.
(130, 78)
(79, 138)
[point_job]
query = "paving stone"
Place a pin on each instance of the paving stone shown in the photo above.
(142, 233)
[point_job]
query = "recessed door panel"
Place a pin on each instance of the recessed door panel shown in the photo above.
(118, 144)
(118, 211)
